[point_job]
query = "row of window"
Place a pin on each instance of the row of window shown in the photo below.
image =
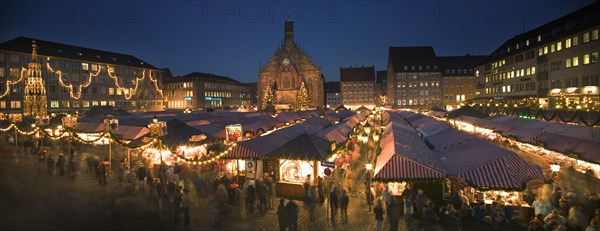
(407, 76)
(413, 68)
(416, 102)
(459, 71)
(419, 84)
(179, 85)
(459, 98)
(512, 74)
(359, 86)
(76, 104)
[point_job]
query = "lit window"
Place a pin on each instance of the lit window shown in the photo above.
(65, 104)
(527, 42)
(575, 61)
(15, 104)
(53, 104)
(102, 103)
(595, 34)
(539, 38)
(546, 50)
(568, 63)
(568, 43)
(552, 48)
(540, 52)
(586, 59)
(111, 91)
(558, 46)
(86, 103)
(575, 41)
(94, 67)
(119, 91)
(586, 37)
(111, 103)
(2, 104)
(533, 70)
(95, 103)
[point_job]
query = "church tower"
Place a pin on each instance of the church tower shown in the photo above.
(35, 89)
(288, 69)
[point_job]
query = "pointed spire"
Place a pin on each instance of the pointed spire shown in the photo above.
(33, 51)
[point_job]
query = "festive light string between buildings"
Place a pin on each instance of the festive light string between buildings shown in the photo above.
(128, 92)
(9, 83)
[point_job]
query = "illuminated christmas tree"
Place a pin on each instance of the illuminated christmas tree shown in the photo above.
(268, 100)
(302, 100)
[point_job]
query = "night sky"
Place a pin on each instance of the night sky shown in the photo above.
(232, 38)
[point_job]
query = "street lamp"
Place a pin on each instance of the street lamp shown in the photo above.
(555, 167)
(110, 124)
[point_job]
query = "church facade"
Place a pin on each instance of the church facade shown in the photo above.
(287, 72)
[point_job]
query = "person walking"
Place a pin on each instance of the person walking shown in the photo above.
(250, 198)
(333, 203)
(344, 201)
(60, 164)
(50, 164)
(378, 209)
(312, 203)
(177, 198)
(261, 192)
(408, 211)
(321, 187)
(186, 201)
(282, 215)
(393, 213)
(292, 211)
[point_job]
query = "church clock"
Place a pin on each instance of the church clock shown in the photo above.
(286, 61)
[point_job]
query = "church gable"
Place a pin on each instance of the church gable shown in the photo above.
(285, 72)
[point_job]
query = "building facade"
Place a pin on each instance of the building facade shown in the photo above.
(552, 66)
(380, 88)
(413, 78)
(77, 78)
(285, 72)
(458, 79)
(201, 90)
(333, 94)
(358, 86)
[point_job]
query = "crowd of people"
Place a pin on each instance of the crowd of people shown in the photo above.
(560, 211)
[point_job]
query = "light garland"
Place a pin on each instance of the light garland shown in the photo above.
(9, 83)
(127, 92)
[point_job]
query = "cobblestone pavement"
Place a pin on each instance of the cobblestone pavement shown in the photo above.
(30, 199)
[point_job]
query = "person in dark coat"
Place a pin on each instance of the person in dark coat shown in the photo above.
(344, 201)
(430, 220)
(394, 214)
(250, 198)
(60, 164)
(292, 211)
(261, 192)
(333, 203)
(50, 163)
(282, 215)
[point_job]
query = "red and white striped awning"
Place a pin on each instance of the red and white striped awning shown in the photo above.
(241, 152)
(511, 171)
(400, 168)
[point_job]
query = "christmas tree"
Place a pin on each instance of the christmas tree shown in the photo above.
(268, 100)
(302, 98)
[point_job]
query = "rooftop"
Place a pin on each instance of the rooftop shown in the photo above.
(357, 74)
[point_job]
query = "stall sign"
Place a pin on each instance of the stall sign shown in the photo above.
(250, 165)
(327, 172)
(328, 164)
(234, 132)
(197, 138)
(535, 183)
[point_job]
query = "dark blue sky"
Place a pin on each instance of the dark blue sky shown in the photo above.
(231, 38)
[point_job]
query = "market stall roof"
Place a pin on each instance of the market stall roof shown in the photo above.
(304, 147)
(131, 132)
(89, 127)
(179, 133)
(341, 107)
(392, 167)
(588, 150)
(212, 131)
(466, 110)
(287, 117)
(318, 121)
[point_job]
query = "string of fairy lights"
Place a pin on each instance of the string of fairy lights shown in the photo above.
(127, 92)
